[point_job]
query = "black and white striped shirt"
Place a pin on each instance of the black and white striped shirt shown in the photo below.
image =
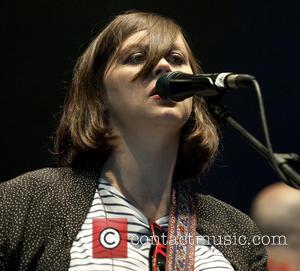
(110, 203)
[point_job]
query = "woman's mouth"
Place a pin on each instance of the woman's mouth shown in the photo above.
(154, 94)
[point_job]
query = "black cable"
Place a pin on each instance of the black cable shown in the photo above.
(266, 131)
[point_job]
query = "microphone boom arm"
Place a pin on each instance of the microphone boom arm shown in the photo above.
(223, 114)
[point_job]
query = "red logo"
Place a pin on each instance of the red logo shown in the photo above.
(109, 238)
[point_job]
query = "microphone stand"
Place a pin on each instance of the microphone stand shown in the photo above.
(223, 114)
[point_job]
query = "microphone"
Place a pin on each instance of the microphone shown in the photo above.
(178, 86)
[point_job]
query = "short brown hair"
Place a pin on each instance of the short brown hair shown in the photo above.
(84, 133)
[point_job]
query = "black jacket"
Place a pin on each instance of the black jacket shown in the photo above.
(42, 211)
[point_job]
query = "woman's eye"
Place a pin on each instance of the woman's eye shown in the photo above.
(135, 59)
(176, 59)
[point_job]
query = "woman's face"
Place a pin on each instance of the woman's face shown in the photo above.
(131, 103)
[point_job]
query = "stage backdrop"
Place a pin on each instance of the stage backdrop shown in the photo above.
(42, 40)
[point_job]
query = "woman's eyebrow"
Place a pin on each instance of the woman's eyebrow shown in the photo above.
(132, 47)
(178, 47)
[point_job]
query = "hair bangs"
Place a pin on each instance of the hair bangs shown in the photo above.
(161, 35)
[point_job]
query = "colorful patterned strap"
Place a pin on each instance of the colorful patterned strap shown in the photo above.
(181, 230)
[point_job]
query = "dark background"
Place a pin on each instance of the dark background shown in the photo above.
(42, 40)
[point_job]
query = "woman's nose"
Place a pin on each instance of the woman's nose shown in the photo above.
(161, 68)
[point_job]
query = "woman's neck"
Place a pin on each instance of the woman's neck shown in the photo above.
(143, 172)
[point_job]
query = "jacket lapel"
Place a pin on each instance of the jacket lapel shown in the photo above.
(79, 197)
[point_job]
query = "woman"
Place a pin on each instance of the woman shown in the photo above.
(128, 160)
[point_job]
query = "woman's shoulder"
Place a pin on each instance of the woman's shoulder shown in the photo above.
(232, 232)
(31, 188)
(46, 186)
(41, 174)
(31, 208)
(34, 181)
(217, 205)
(44, 196)
(48, 177)
(211, 208)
